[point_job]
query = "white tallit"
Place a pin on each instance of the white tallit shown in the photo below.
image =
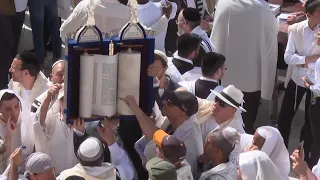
(245, 32)
(256, 165)
(23, 135)
(275, 148)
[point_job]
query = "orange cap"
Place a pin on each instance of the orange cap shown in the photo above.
(158, 137)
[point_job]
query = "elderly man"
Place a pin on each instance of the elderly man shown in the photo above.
(251, 52)
(217, 150)
(27, 79)
(57, 77)
(91, 157)
(180, 107)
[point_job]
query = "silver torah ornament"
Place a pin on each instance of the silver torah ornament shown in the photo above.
(133, 29)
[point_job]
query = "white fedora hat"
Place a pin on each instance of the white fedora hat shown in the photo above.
(232, 96)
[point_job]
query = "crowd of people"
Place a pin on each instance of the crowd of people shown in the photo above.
(213, 62)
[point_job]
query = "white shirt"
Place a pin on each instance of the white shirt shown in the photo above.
(291, 57)
(149, 14)
(172, 70)
(109, 15)
(21, 5)
(25, 95)
(184, 172)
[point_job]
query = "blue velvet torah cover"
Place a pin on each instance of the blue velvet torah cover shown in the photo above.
(73, 64)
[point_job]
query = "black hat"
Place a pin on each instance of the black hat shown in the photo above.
(191, 14)
(185, 100)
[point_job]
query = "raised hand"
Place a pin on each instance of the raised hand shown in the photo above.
(167, 8)
(78, 124)
(54, 90)
(11, 126)
(16, 157)
(130, 101)
(107, 134)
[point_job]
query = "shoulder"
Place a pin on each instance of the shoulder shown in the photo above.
(296, 27)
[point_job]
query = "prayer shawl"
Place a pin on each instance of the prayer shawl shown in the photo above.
(245, 32)
(23, 136)
(192, 75)
(40, 85)
(275, 148)
(55, 138)
(256, 165)
(226, 171)
(201, 5)
(104, 172)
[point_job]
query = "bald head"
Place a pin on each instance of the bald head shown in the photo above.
(57, 74)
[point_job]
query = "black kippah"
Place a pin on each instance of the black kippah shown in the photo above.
(310, 3)
(191, 14)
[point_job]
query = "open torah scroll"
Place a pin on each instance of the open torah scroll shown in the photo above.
(104, 79)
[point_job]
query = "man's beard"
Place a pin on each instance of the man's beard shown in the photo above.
(180, 32)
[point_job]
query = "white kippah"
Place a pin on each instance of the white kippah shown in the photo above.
(162, 55)
(57, 62)
(90, 150)
(231, 135)
(263, 132)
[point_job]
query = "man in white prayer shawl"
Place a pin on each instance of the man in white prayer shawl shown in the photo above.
(91, 166)
(27, 79)
(15, 125)
(54, 136)
(256, 165)
(218, 151)
(269, 140)
(245, 32)
(213, 68)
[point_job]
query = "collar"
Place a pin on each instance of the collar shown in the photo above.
(183, 59)
(197, 30)
(144, 6)
(207, 79)
(306, 26)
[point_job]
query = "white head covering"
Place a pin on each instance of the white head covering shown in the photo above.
(275, 148)
(59, 61)
(256, 165)
(90, 150)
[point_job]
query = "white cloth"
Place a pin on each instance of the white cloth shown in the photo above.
(104, 172)
(251, 51)
(206, 42)
(226, 171)
(316, 169)
(149, 13)
(172, 70)
(256, 165)
(109, 15)
(316, 87)
(275, 148)
(55, 138)
(192, 75)
(40, 85)
(23, 136)
(292, 57)
(192, 4)
(20, 5)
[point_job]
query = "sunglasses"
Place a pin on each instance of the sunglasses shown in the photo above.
(221, 102)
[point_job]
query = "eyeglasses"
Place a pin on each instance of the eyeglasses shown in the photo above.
(221, 102)
(15, 69)
(179, 21)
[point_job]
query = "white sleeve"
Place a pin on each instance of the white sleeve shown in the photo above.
(121, 160)
(173, 11)
(76, 19)
(290, 55)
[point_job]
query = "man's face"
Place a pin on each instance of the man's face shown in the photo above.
(221, 109)
(47, 175)
(57, 75)
(258, 140)
(160, 69)
(221, 71)
(10, 109)
(15, 70)
(170, 110)
(210, 150)
(181, 23)
(315, 16)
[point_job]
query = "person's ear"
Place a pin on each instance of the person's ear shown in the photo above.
(308, 15)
